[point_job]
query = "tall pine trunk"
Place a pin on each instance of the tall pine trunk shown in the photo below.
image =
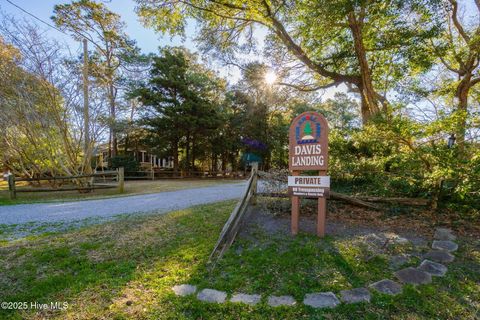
(113, 117)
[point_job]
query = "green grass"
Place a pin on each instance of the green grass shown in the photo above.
(125, 269)
(131, 188)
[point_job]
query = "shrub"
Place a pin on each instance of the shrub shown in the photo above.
(128, 162)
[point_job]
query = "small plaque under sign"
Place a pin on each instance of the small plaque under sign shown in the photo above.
(309, 186)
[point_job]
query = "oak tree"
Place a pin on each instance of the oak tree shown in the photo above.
(364, 44)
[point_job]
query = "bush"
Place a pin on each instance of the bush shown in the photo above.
(128, 162)
(401, 157)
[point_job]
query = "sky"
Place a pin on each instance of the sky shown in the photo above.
(146, 38)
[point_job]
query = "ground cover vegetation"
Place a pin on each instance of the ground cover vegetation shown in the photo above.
(125, 270)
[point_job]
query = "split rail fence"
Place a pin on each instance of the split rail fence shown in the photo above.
(231, 227)
(85, 182)
(158, 175)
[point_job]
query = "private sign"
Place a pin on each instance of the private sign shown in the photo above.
(309, 181)
(311, 186)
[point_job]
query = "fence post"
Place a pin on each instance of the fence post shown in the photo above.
(121, 179)
(254, 182)
(92, 179)
(11, 186)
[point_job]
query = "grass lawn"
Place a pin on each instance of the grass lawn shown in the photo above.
(125, 269)
(131, 188)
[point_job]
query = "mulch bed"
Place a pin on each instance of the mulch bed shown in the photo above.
(347, 219)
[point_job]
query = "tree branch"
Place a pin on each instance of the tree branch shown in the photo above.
(457, 23)
(297, 51)
(444, 62)
(188, 3)
(307, 88)
(474, 81)
(278, 28)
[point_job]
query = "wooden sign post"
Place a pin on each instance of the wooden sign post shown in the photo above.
(308, 150)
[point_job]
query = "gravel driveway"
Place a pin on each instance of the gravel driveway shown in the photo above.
(104, 208)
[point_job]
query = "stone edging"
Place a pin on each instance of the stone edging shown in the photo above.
(432, 265)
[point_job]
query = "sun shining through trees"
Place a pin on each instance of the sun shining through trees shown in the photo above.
(270, 77)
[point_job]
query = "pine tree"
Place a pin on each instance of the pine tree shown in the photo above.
(181, 109)
(308, 129)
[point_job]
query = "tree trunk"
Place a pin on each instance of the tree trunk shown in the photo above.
(232, 162)
(193, 154)
(110, 145)
(214, 162)
(462, 110)
(127, 142)
(369, 99)
(224, 161)
(87, 150)
(175, 157)
(113, 115)
(129, 128)
(187, 153)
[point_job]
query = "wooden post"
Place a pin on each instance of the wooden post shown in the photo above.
(153, 173)
(322, 212)
(121, 179)
(86, 114)
(254, 182)
(92, 180)
(11, 186)
(295, 209)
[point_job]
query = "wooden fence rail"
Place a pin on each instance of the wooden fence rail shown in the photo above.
(98, 174)
(154, 175)
(118, 174)
(231, 227)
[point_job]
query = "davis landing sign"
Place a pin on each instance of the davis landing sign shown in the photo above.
(308, 143)
(308, 150)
